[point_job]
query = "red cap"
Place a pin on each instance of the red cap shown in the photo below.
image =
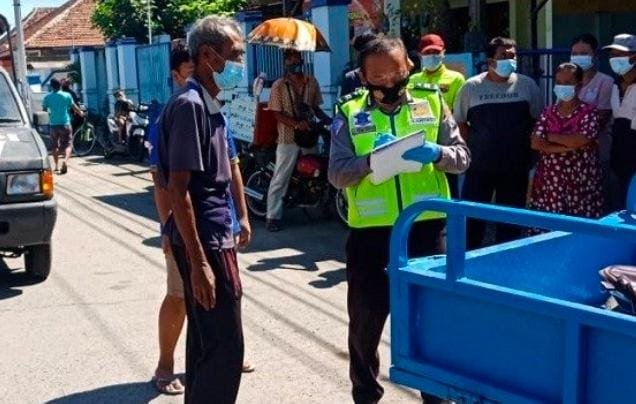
(431, 41)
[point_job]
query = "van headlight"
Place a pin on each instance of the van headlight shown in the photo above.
(22, 184)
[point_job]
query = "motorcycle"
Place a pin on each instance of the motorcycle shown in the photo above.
(308, 187)
(137, 124)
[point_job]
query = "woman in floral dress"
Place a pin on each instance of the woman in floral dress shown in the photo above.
(568, 176)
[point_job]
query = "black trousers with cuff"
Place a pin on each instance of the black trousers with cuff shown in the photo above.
(214, 345)
(368, 299)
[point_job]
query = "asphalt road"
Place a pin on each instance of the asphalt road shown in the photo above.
(88, 333)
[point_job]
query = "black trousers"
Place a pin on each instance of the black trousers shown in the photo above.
(214, 345)
(619, 188)
(453, 185)
(509, 189)
(368, 298)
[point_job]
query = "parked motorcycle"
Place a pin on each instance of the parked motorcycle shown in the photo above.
(136, 134)
(308, 187)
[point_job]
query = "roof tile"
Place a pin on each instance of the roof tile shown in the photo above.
(69, 25)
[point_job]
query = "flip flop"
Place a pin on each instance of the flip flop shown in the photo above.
(273, 226)
(248, 367)
(64, 169)
(169, 385)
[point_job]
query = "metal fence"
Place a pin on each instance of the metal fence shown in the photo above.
(269, 60)
(541, 64)
(102, 83)
(153, 73)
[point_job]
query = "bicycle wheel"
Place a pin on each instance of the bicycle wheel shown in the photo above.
(84, 140)
(342, 206)
(256, 193)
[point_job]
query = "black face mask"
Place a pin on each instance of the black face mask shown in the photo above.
(295, 68)
(390, 95)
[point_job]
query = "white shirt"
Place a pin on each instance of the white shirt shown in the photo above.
(627, 108)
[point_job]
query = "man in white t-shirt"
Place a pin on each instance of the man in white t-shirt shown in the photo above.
(622, 58)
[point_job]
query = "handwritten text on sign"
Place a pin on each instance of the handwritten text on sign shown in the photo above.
(243, 117)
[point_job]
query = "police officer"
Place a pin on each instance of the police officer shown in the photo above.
(386, 109)
(432, 51)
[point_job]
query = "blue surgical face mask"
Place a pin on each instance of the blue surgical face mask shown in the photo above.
(231, 75)
(585, 62)
(431, 62)
(505, 67)
(565, 92)
(621, 65)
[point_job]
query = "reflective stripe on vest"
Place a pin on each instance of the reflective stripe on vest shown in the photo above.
(379, 205)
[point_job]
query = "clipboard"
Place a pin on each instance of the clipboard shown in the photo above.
(386, 161)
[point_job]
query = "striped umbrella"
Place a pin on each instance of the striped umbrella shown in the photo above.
(289, 33)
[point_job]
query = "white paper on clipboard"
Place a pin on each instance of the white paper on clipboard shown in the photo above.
(386, 161)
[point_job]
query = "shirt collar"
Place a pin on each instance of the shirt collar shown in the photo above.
(212, 104)
(371, 104)
(437, 72)
(287, 78)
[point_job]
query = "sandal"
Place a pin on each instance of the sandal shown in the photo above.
(248, 367)
(168, 385)
(64, 169)
(273, 226)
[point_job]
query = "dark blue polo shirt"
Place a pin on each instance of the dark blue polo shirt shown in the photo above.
(192, 137)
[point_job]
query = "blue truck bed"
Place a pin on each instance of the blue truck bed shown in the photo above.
(519, 322)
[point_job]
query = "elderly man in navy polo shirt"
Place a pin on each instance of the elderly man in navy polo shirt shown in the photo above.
(194, 165)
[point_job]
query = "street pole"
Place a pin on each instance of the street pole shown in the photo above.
(7, 29)
(20, 58)
(148, 11)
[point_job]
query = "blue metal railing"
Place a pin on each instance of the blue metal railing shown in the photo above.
(456, 224)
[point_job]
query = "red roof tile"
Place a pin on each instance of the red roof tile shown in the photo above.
(59, 27)
(36, 18)
(70, 25)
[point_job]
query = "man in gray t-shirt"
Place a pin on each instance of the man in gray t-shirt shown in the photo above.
(495, 112)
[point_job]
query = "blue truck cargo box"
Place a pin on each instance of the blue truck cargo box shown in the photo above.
(520, 322)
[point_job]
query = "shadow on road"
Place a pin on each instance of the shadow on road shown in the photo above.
(10, 280)
(140, 204)
(140, 392)
(152, 242)
(308, 244)
(294, 262)
(329, 279)
(312, 240)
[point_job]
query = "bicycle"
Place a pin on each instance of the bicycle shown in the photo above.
(84, 138)
(94, 131)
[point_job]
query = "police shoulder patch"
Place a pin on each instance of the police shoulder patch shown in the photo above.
(357, 93)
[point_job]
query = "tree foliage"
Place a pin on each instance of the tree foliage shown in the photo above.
(129, 18)
(75, 72)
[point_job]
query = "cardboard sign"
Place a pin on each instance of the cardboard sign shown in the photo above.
(242, 115)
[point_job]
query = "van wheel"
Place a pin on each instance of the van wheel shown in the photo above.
(37, 261)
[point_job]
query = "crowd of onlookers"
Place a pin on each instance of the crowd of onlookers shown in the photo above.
(581, 150)
(575, 156)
